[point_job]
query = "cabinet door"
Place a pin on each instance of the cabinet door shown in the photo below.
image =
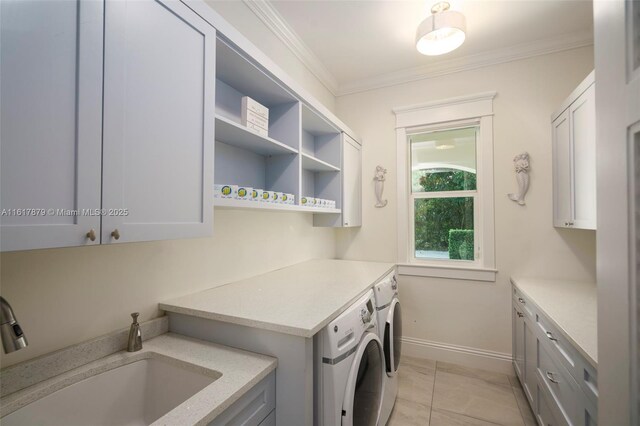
(530, 361)
(583, 129)
(518, 343)
(158, 122)
(562, 194)
(352, 182)
(51, 114)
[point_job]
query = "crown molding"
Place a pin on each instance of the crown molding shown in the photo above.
(268, 14)
(458, 100)
(470, 62)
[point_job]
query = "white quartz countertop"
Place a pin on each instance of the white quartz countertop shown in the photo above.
(238, 372)
(572, 306)
(298, 300)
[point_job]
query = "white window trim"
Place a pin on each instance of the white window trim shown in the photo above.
(475, 109)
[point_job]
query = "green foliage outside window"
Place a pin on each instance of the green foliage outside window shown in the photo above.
(445, 180)
(461, 244)
(436, 217)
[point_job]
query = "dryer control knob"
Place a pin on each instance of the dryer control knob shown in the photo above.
(365, 316)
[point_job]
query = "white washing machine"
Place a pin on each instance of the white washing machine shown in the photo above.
(349, 371)
(390, 332)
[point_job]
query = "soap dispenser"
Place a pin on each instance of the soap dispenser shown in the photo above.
(135, 337)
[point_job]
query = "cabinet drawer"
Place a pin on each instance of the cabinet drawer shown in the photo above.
(253, 407)
(543, 411)
(589, 416)
(556, 379)
(522, 303)
(588, 381)
(270, 420)
(558, 344)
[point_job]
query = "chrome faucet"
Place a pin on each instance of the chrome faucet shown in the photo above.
(135, 336)
(13, 337)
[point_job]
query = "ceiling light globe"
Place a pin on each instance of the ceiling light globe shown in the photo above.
(441, 33)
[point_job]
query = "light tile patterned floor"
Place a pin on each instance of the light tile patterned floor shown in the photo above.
(441, 394)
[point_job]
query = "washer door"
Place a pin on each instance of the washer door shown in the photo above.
(363, 395)
(393, 338)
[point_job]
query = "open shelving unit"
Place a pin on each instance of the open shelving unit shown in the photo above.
(300, 155)
(320, 150)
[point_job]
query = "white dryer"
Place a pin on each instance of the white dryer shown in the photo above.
(390, 331)
(349, 368)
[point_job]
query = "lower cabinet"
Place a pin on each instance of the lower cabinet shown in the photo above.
(255, 408)
(559, 383)
(524, 349)
(544, 415)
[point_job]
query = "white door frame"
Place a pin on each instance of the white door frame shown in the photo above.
(617, 114)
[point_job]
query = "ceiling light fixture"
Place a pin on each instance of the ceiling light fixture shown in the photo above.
(441, 32)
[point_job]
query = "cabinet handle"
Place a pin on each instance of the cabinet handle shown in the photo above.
(570, 223)
(116, 234)
(520, 314)
(551, 377)
(550, 336)
(521, 300)
(91, 234)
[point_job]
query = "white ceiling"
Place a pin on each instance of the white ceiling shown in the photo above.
(366, 42)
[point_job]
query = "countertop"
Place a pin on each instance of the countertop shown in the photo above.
(238, 372)
(573, 308)
(298, 300)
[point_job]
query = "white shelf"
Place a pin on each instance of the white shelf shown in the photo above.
(237, 71)
(258, 205)
(315, 124)
(235, 134)
(310, 162)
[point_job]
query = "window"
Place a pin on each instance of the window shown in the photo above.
(445, 189)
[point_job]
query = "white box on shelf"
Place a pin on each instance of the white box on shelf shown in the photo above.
(289, 199)
(308, 201)
(252, 105)
(255, 194)
(225, 191)
(244, 193)
(250, 117)
(266, 196)
(259, 130)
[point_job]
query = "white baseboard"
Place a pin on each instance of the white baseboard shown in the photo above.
(461, 355)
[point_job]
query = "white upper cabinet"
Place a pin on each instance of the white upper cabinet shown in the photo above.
(349, 191)
(159, 113)
(351, 182)
(51, 114)
(90, 158)
(108, 110)
(574, 159)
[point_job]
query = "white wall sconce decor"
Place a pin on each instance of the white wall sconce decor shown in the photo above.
(521, 165)
(380, 178)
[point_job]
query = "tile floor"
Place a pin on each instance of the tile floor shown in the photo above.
(442, 394)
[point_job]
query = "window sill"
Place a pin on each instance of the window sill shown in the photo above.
(451, 272)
